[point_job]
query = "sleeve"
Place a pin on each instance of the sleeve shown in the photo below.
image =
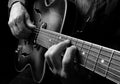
(89, 7)
(83, 5)
(11, 2)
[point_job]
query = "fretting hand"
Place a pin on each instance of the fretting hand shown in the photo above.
(61, 65)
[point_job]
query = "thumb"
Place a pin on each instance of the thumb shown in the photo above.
(29, 23)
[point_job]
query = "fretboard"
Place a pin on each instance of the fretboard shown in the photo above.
(101, 60)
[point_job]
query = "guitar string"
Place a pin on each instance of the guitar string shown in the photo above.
(105, 60)
(111, 72)
(97, 52)
(101, 54)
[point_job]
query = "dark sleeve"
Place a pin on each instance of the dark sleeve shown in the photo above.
(11, 2)
(84, 5)
(111, 5)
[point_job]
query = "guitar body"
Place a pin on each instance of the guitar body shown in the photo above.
(48, 14)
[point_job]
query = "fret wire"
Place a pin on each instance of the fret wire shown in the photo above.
(98, 72)
(106, 51)
(81, 50)
(48, 36)
(104, 66)
(110, 62)
(115, 58)
(116, 67)
(63, 37)
(104, 55)
(97, 58)
(103, 62)
(80, 43)
(90, 64)
(54, 37)
(115, 63)
(51, 36)
(87, 55)
(100, 53)
(94, 55)
(114, 71)
(90, 50)
(43, 42)
(82, 47)
(75, 41)
(98, 63)
(85, 48)
(113, 79)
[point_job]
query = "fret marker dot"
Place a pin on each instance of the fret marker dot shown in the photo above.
(50, 40)
(60, 37)
(83, 53)
(102, 61)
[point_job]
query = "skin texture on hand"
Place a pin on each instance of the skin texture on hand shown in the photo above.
(58, 64)
(19, 21)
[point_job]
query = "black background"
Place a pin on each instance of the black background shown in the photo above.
(8, 44)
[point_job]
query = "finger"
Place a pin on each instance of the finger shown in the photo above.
(60, 47)
(19, 22)
(13, 28)
(29, 23)
(53, 55)
(49, 62)
(53, 59)
(55, 52)
(69, 55)
(67, 61)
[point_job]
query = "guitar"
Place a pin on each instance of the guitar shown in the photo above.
(48, 14)
(99, 59)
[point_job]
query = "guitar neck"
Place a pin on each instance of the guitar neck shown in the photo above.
(101, 60)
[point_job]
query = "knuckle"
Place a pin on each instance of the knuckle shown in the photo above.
(72, 48)
(19, 19)
(51, 51)
(10, 23)
(46, 55)
(49, 54)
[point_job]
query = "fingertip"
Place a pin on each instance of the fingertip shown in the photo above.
(74, 47)
(67, 41)
(30, 24)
